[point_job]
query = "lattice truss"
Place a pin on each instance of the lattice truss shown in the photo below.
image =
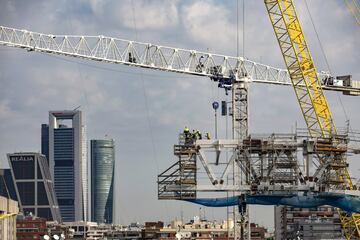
(114, 50)
(147, 55)
(273, 159)
(267, 162)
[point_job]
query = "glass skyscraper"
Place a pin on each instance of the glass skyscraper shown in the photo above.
(64, 141)
(33, 185)
(102, 180)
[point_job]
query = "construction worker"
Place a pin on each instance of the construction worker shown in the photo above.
(207, 135)
(193, 135)
(198, 134)
(186, 134)
(131, 58)
(186, 130)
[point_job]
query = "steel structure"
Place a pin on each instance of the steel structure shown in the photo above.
(148, 55)
(272, 160)
(331, 153)
(274, 166)
(240, 131)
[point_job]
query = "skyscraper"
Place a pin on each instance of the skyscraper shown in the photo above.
(33, 185)
(102, 180)
(68, 162)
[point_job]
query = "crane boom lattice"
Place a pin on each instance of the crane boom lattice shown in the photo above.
(302, 70)
(151, 56)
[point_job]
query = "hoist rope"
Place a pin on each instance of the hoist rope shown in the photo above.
(145, 97)
(147, 110)
(324, 56)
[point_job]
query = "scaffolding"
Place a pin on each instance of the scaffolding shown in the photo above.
(181, 174)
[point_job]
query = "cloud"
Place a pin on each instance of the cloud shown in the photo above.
(145, 15)
(207, 22)
(5, 112)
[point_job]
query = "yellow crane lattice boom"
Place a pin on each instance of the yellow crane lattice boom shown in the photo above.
(301, 67)
(307, 88)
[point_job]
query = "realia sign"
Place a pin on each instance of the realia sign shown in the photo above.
(21, 158)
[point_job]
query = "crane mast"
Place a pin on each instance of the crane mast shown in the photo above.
(311, 98)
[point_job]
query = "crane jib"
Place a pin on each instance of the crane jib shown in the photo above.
(150, 56)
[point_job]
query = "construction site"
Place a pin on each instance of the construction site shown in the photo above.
(301, 172)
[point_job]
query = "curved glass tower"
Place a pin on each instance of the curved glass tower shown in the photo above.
(102, 180)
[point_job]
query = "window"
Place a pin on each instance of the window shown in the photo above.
(45, 213)
(39, 176)
(41, 194)
(26, 192)
(66, 202)
(66, 163)
(23, 169)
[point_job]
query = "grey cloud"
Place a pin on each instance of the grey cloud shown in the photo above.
(208, 23)
(153, 15)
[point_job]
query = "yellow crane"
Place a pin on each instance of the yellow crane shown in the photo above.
(309, 93)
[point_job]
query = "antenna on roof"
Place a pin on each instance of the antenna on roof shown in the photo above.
(77, 108)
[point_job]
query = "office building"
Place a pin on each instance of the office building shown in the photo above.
(7, 187)
(102, 180)
(30, 227)
(68, 162)
(307, 223)
(198, 229)
(33, 185)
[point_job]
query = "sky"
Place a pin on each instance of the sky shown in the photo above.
(144, 110)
